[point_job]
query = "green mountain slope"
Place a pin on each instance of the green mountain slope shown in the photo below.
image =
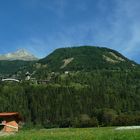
(102, 88)
(11, 67)
(86, 58)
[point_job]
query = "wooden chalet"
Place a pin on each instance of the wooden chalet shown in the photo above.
(9, 121)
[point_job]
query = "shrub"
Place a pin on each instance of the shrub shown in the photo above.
(85, 121)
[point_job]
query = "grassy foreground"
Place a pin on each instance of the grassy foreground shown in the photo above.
(75, 134)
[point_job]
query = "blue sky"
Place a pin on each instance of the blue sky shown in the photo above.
(41, 26)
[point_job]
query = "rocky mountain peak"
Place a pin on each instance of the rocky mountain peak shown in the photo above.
(20, 54)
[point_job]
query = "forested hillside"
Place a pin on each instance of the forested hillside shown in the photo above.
(87, 86)
(79, 100)
(86, 58)
(12, 67)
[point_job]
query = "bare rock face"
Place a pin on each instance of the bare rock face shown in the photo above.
(20, 54)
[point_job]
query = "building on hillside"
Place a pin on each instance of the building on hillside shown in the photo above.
(28, 76)
(66, 72)
(10, 80)
(10, 121)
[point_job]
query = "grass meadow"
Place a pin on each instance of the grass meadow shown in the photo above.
(75, 134)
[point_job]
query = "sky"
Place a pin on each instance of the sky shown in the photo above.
(41, 26)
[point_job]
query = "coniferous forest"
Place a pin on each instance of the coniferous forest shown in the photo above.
(77, 99)
(84, 87)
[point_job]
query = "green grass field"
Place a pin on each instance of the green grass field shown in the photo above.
(75, 134)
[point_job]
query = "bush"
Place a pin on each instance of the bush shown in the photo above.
(85, 121)
(125, 120)
(65, 123)
(108, 117)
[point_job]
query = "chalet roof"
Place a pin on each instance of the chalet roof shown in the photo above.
(8, 114)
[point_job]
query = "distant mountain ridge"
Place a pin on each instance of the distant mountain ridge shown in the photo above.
(96, 86)
(82, 58)
(86, 58)
(20, 54)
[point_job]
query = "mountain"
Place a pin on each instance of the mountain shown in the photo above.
(101, 88)
(86, 58)
(83, 58)
(20, 54)
(12, 62)
(8, 68)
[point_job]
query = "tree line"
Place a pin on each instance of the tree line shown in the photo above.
(77, 99)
